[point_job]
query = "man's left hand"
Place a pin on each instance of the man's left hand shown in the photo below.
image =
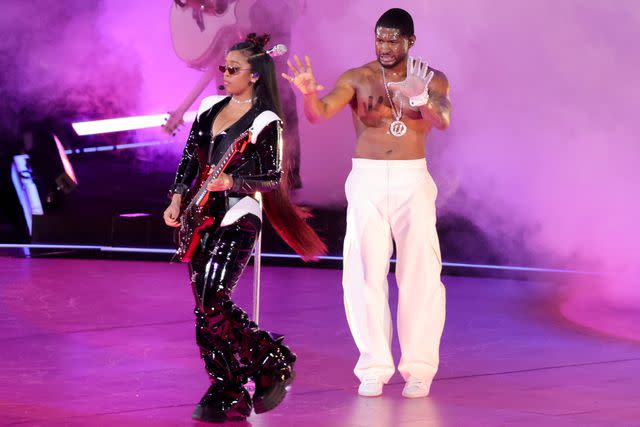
(416, 84)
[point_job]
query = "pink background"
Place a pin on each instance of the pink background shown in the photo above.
(543, 146)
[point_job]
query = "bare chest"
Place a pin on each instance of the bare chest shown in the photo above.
(374, 106)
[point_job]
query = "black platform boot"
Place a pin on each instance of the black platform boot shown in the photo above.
(261, 356)
(226, 398)
(266, 359)
(273, 372)
(222, 402)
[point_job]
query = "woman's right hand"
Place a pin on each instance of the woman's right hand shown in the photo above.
(172, 213)
(303, 77)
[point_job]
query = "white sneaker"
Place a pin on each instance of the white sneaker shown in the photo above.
(416, 388)
(370, 387)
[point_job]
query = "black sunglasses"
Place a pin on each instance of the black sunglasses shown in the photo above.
(230, 70)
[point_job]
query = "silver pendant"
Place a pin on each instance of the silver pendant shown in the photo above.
(398, 128)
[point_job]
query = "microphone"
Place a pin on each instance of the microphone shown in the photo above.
(221, 87)
(277, 50)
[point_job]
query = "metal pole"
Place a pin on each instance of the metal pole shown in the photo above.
(257, 252)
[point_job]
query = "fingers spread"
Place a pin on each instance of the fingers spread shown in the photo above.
(292, 68)
(425, 69)
(429, 77)
(424, 66)
(409, 65)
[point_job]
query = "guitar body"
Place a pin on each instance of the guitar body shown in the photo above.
(190, 233)
(195, 220)
(194, 223)
(200, 33)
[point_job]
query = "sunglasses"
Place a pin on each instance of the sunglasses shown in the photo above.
(230, 70)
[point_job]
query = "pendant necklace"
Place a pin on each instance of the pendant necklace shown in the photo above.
(397, 128)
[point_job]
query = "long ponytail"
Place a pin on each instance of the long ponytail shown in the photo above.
(290, 223)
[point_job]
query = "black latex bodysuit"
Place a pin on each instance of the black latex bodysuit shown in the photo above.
(232, 347)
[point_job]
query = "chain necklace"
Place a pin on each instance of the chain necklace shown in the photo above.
(246, 101)
(397, 128)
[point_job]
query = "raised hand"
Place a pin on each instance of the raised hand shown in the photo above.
(172, 122)
(303, 77)
(416, 84)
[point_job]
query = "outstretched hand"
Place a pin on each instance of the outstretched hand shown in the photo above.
(303, 77)
(417, 81)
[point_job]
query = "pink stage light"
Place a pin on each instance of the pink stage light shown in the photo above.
(134, 215)
(95, 127)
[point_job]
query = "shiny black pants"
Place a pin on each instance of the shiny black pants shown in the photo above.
(232, 347)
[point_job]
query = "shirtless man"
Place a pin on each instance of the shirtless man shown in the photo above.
(396, 100)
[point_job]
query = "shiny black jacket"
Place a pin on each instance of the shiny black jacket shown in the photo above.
(258, 168)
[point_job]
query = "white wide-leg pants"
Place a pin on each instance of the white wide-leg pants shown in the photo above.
(393, 199)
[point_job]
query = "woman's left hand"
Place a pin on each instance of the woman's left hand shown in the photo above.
(223, 183)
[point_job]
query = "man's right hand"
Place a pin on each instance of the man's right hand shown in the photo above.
(303, 77)
(172, 213)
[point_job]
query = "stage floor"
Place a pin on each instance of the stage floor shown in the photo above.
(110, 343)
